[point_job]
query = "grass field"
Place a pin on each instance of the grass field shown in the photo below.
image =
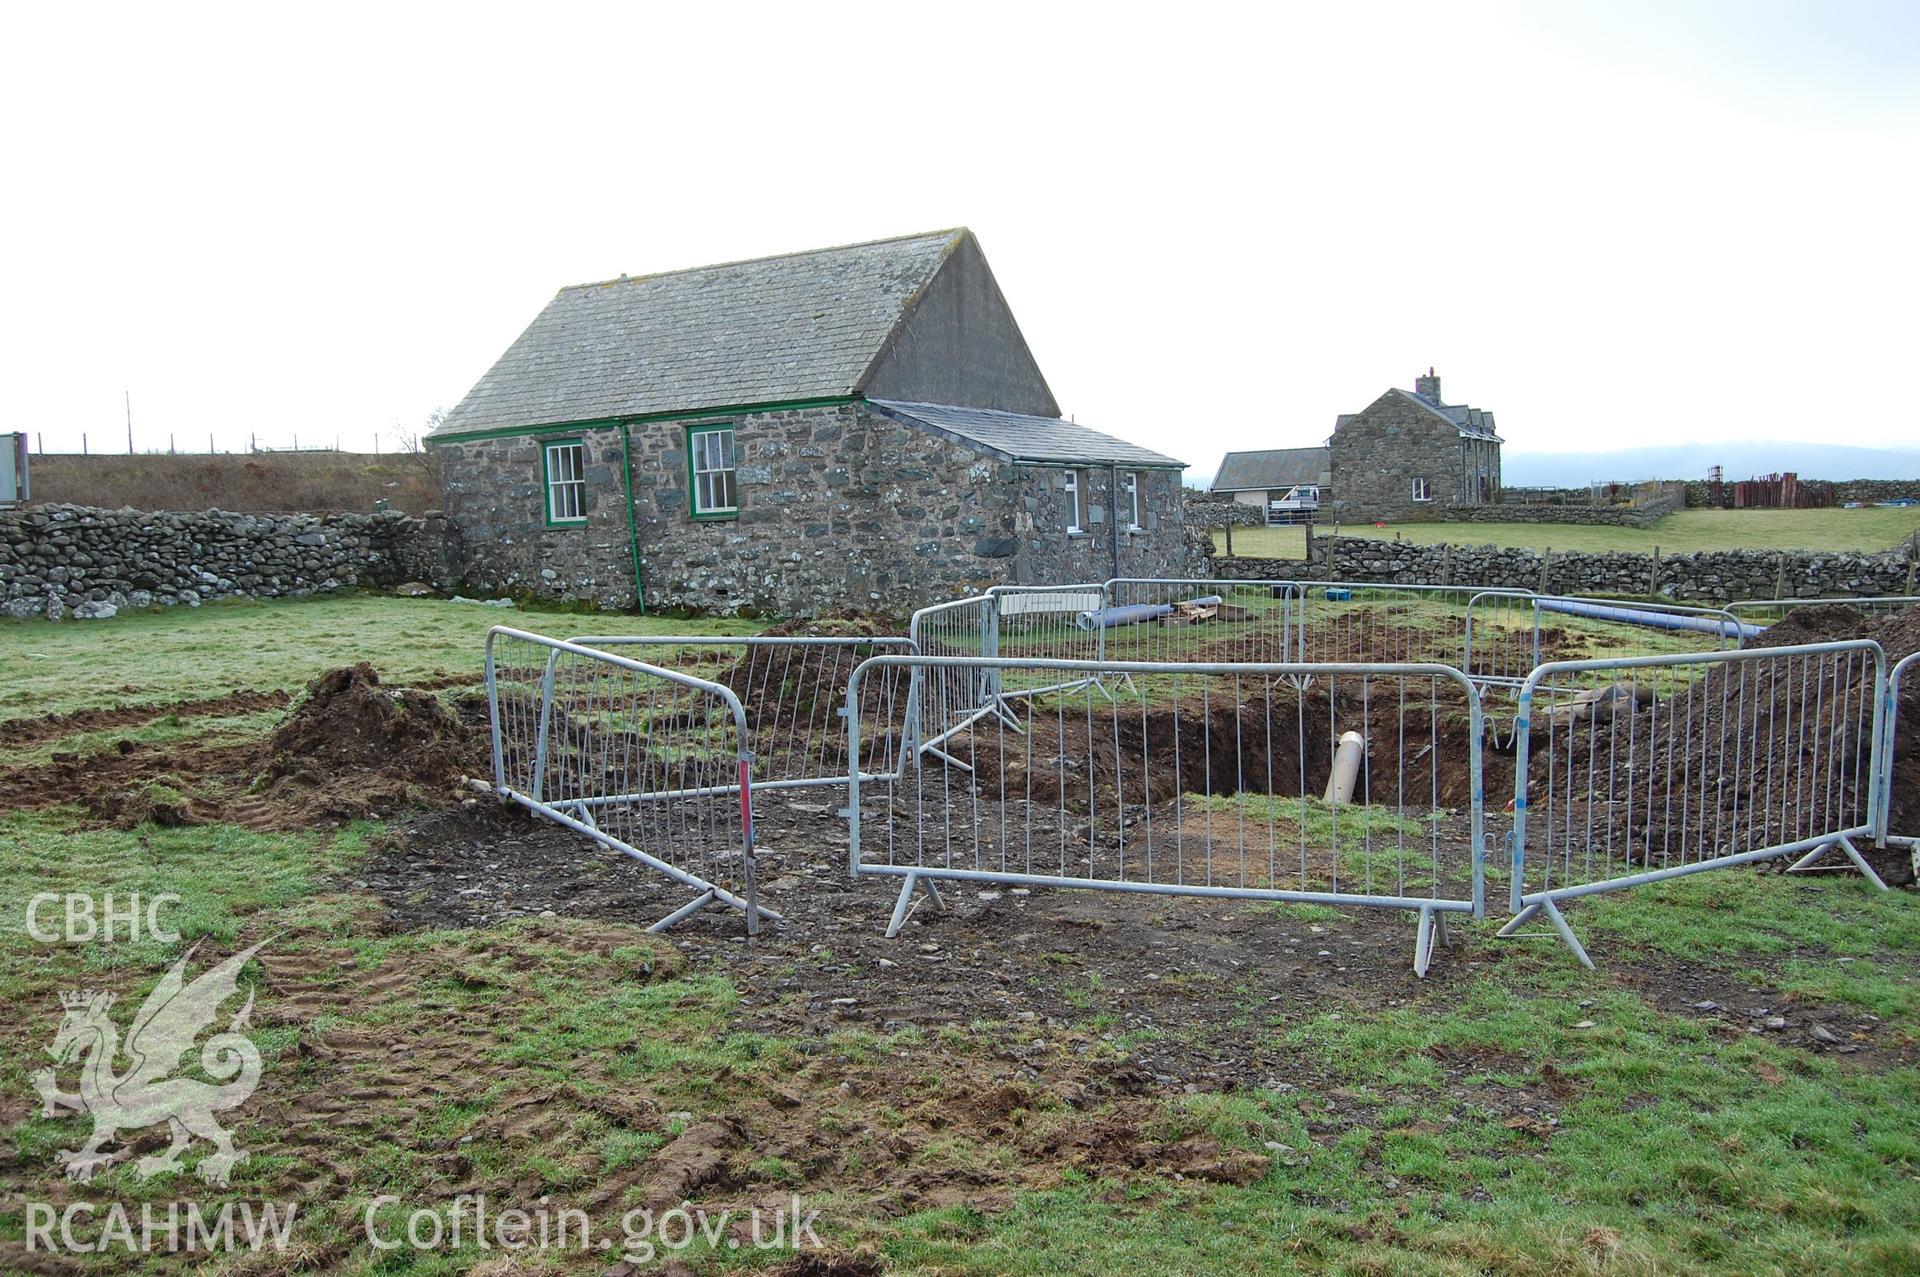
(1680, 533)
(1513, 1115)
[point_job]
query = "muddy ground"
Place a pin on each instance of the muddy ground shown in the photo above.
(1081, 1011)
(1199, 982)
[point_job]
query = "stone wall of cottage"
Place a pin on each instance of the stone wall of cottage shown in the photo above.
(841, 509)
(61, 561)
(1378, 453)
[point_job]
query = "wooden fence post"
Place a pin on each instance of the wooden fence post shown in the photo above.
(1546, 557)
(1653, 582)
(1229, 536)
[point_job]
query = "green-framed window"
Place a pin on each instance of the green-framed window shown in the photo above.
(563, 466)
(712, 491)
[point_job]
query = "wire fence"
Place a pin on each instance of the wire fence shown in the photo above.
(1639, 769)
(1337, 784)
(650, 762)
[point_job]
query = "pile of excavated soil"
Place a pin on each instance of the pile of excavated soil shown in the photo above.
(354, 748)
(350, 748)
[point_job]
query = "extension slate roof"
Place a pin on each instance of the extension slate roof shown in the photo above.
(776, 329)
(1015, 436)
(1274, 468)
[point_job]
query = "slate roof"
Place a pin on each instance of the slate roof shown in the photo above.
(1274, 468)
(800, 326)
(1473, 423)
(1014, 436)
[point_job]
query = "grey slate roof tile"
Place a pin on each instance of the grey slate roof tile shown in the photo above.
(1274, 468)
(1015, 436)
(801, 326)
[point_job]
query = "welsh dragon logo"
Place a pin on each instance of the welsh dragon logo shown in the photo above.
(148, 1092)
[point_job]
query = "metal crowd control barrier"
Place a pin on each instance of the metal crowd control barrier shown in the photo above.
(794, 691)
(1362, 621)
(1504, 631)
(1908, 834)
(649, 762)
(1331, 783)
(1640, 769)
(1042, 622)
(1239, 620)
(1768, 611)
(944, 700)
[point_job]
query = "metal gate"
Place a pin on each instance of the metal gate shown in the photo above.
(1639, 769)
(1334, 784)
(649, 762)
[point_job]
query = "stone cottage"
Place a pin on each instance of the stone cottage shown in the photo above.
(851, 428)
(1410, 456)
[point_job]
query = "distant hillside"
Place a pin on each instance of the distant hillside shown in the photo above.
(310, 482)
(1692, 460)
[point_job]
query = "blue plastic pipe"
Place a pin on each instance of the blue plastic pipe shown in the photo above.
(1656, 620)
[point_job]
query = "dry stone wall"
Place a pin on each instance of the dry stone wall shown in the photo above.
(1709, 577)
(61, 561)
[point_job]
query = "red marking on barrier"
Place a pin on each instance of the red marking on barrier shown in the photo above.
(746, 801)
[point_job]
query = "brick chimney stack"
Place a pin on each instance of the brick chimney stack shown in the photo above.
(1427, 387)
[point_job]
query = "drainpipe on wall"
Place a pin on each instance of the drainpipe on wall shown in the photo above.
(1113, 502)
(633, 528)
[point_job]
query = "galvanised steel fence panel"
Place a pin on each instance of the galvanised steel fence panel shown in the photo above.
(1362, 621)
(1637, 769)
(794, 691)
(650, 762)
(1334, 783)
(1903, 829)
(1199, 619)
(1769, 611)
(1507, 634)
(943, 700)
(1042, 622)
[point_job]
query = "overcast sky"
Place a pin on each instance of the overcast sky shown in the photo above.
(1612, 224)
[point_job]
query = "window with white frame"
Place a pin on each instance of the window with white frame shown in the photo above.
(1130, 499)
(565, 462)
(1420, 490)
(710, 462)
(1076, 502)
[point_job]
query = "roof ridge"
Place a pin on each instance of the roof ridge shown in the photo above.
(950, 233)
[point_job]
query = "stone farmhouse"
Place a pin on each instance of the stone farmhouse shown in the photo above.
(1409, 456)
(1406, 457)
(855, 428)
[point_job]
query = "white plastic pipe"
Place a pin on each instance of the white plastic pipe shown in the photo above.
(1346, 768)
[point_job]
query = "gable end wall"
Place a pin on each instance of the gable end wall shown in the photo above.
(959, 344)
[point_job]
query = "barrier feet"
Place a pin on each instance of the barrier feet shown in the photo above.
(1432, 930)
(1845, 844)
(904, 905)
(1519, 920)
(684, 912)
(1559, 922)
